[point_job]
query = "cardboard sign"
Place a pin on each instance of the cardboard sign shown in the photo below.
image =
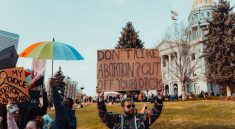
(13, 86)
(128, 70)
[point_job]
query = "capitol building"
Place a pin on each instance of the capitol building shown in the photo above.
(201, 11)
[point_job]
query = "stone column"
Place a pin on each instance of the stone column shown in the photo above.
(170, 67)
(178, 62)
(162, 66)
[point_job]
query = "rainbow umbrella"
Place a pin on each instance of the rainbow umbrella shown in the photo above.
(51, 50)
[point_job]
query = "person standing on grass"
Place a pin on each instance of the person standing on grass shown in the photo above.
(65, 116)
(130, 119)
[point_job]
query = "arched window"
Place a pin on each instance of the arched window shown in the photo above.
(195, 88)
(208, 14)
(175, 86)
(188, 88)
(166, 89)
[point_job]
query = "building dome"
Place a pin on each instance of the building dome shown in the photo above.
(202, 3)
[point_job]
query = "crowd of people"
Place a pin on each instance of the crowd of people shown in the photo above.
(20, 117)
(190, 95)
(23, 117)
(135, 96)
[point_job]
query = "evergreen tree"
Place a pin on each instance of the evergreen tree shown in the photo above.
(59, 75)
(129, 38)
(220, 46)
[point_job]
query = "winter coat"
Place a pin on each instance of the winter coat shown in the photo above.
(65, 118)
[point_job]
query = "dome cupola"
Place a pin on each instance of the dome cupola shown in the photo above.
(202, 3)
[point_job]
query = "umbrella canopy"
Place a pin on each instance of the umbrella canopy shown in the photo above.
(52, 50)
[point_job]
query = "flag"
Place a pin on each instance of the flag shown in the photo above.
(173, 18)
(38, 71)
(174, 13)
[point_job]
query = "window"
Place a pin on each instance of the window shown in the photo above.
(164, 63)
(202, 16)
(188, 88)
(208, 14)
(194, 74)
(166, 90)
(164, 75)
(175, 86)
(193, 56)
(196, 89)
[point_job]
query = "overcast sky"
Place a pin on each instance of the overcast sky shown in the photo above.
(87, 25)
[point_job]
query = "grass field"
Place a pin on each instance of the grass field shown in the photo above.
(203, 114)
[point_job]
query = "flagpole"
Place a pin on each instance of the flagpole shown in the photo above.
(52, 68)
(52, 57)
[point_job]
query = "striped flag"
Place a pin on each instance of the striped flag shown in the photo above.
(173, 18)
(174, 15)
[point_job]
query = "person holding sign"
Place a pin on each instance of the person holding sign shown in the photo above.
(65, 115)
(130, 119)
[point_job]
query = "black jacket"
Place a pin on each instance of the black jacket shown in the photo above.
(65, 118)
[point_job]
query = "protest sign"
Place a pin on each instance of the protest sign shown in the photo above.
(128, 70)
(13, 86)
(36, 83)
(37, 77)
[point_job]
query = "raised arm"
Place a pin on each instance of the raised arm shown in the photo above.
(57, 99)
(156, 110)
(107, 117)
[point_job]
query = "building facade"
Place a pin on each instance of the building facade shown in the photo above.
(195, 31)
(8, 39)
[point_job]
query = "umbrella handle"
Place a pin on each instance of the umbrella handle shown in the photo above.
(52, 61)
(52, 68)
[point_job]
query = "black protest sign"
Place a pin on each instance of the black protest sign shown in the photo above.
(128, 69)
(13, 86)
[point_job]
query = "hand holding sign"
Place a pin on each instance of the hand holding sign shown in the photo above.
(160, 93)
(100, 94)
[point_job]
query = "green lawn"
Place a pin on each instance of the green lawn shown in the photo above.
(203, 114)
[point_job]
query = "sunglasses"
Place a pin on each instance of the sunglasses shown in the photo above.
(129, 106)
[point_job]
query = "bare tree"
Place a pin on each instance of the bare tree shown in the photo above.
(175, 32)
(185, 62)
